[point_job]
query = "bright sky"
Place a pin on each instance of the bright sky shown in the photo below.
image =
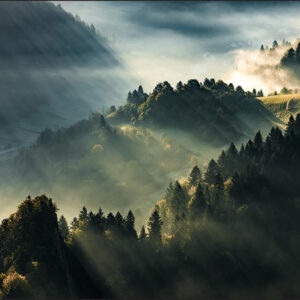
(176, 41)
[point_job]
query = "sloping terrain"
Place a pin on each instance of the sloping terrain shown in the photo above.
(282, 105)
(117, 168)
(55, 70)
(212, 112)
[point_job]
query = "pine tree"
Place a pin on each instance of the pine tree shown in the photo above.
(74, 224)
(198, 202)
(119, 220)
(111, 221)
(195, 176)
(179, 86)
(258, 141)
(140, 90)
(218, 196)
(178, 200)
(142, 236)
(63, 227)
(83, 215)
(275, 44)
(290, 126)
(129, 224)
(262, 48)
(211, 172)
(169, 192)
(154, 227)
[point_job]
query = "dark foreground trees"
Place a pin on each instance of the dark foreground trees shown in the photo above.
(232, 232)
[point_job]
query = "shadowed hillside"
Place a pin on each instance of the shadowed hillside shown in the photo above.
(55, 70)
(282, 105)
(213, 112)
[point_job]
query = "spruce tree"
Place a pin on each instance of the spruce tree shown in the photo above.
(142, 236)
(194, 176)
(129, 224)
(63, 227)
(211, 172)
(154, 227)
(198, 202)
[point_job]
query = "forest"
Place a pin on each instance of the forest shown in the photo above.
(228, 231)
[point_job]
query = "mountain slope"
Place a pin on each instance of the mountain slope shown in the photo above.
(212, 112)
(115, 167)
(283, 106)
(55, 70)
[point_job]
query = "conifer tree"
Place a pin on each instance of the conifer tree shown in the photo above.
(83, 215)
(74, 224)
(154, 227)
(198, 202)
(142, 236)
(129, 224)
(63, 227)
(178, 200)
(211, 172)
(194, 176)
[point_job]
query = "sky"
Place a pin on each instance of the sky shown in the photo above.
(175, 41)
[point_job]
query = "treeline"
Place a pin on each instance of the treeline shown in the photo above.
(274, 46)
(231, 230)
(291, 58)
(212, 111)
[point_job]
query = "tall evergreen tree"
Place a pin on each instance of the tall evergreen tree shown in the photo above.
(142, 236)
(198, 202)
(154, 227)
(74, 224)
(83, 215)
(178, 200)
(195, 176)
(211, 172)
(129, 224)
(63, 227)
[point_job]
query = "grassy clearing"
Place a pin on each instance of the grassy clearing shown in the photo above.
(282, 105)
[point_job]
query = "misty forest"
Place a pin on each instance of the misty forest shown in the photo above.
(144, 156)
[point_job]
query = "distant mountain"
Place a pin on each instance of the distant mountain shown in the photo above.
(55, 70)
(213, 112)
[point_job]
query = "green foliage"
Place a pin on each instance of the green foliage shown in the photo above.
(210, 111)
(231, 235)
(63, 227)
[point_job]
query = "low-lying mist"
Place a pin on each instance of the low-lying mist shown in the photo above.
(116, 168)
(261, 70)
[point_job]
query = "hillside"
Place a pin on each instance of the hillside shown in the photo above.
(282, 105)
(118, 167)
(212, 112)
(54, 70)
(230, 230)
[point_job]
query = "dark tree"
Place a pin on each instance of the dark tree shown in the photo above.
(178, 200)
(74, 224)
(129, 224)
(63, 227)
(142, 236)
(211, 172)
(198, 202)
(154, 227)
(275, 44)
(195, 176)
(83, 215)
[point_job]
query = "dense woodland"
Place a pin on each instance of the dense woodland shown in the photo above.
(231, 230)
(212, 111)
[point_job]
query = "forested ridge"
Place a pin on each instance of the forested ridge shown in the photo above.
(231, 230)
(213, 111)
